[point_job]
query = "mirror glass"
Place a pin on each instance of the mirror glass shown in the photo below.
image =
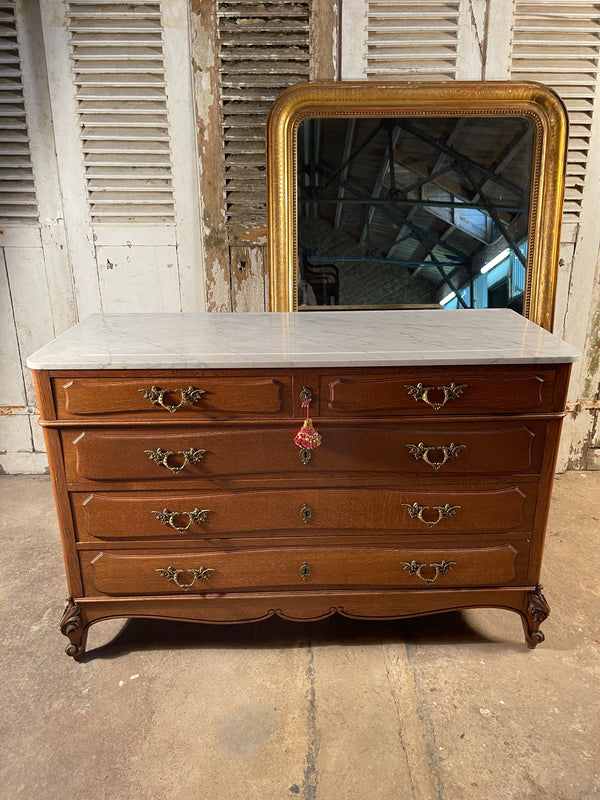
(413, 211)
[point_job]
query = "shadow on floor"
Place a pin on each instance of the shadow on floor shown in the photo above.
(447, 628)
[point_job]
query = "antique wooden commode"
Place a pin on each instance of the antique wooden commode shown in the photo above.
(184, 487)
(182, 495)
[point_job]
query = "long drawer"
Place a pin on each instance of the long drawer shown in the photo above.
(358, 392)
(188, 395)
(269, 452)
(124, 516)
(171, 572)
(433, 391)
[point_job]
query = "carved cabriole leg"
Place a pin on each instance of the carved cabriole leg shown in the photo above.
(536, 612)
(72, 625)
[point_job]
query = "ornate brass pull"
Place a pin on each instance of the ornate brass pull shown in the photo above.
(306, 512)
(166, 517)
(449, 450)
(172, 574)
(444, 512)
(156, 395)
(161, 457)
(305, 571)
(420, 392)
(414, 568)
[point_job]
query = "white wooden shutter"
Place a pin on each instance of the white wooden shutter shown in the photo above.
(119, 74)
(18, 203)
(121, 94)
(413, 40)
(263, 48)
(558, 43)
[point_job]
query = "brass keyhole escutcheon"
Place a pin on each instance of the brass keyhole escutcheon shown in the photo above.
(305, 571)
(306, 512)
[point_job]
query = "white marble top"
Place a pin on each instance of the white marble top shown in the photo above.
(310, 339)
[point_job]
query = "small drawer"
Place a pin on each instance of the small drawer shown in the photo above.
(170, 572)
(186, 395)
(268, 452)
(436, 391)
(123, 516)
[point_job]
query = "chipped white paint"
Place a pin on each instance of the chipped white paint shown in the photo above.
(12, 388)
(471, 49)
(186, 191)
(69, 157)
(30, 302)
(247, 279)
(138, 278)
(53, 241)
(498, 40)
(353, 57)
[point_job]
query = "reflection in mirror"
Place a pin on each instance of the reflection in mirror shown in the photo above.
(414, 210)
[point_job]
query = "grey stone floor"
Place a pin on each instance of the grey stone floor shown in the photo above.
(447, 707)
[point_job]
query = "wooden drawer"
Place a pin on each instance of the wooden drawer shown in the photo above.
(436, 391)
(199, 395)
(170, 572)
(269, 452)
(122, 516)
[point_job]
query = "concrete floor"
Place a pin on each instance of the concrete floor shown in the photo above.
(441, 708)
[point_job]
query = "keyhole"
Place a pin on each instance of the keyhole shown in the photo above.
(242, 266)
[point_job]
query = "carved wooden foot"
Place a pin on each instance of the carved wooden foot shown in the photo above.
(537, 611)
(71, 625)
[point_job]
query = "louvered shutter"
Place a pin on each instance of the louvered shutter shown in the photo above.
(17, 193)
(558, 43)
(413, 40)
(263, 48)
(119, 74)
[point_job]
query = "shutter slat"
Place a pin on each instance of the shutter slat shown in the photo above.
(412, 40)
(118, 69)
(558, 43)
(263, 48)
(18, 202)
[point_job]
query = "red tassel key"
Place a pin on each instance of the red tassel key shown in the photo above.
(307, 437)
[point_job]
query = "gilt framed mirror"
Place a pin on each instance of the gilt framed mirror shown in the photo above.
(394, 195)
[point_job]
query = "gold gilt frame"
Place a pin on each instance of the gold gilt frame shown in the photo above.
(328, 99)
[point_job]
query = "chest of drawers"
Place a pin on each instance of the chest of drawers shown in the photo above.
(182, 495)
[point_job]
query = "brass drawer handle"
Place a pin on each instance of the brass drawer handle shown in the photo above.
(414, 568)
(449, 450)
(306, 512)
(161, 457)
(420, 392)
(172, 574)
(198, 515)
(156, 395)
(305, 571)
(444, 512)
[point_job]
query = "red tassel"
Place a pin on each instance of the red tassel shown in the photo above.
(307, 437)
